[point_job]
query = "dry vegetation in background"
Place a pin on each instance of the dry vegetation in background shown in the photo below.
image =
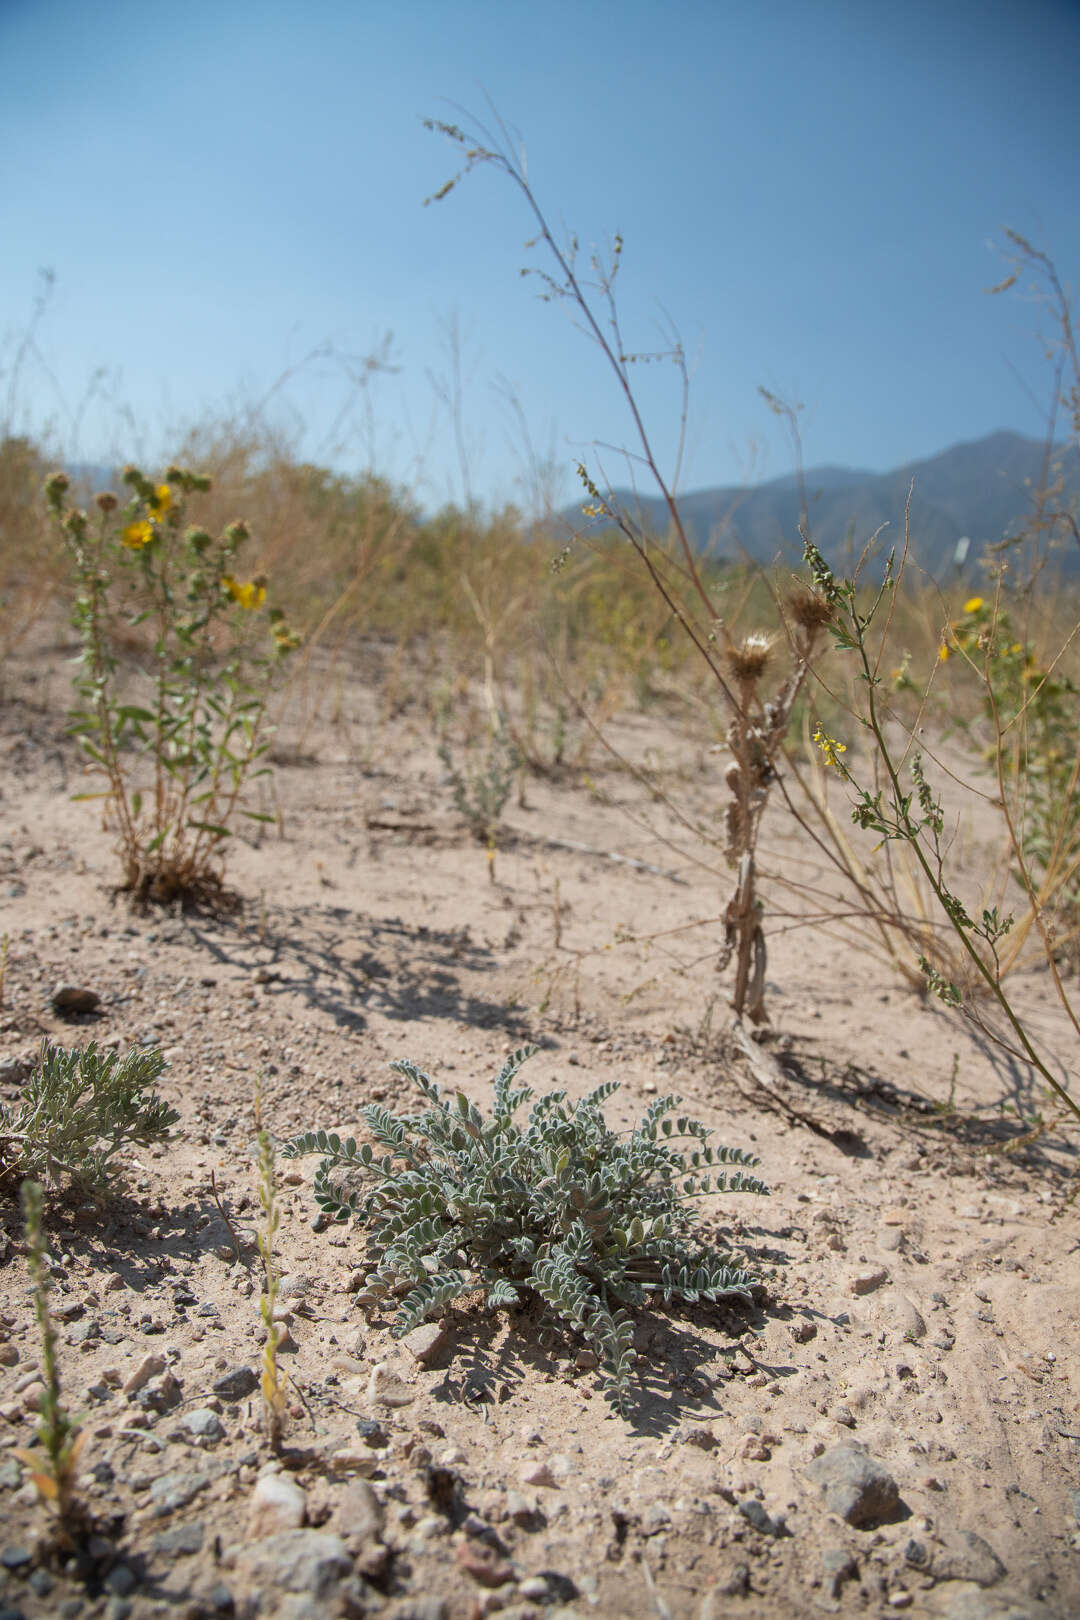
(879, 714)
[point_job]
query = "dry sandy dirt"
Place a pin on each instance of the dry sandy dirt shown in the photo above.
(920, 1304)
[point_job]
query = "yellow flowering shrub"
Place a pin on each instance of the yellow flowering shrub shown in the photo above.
(175, 753)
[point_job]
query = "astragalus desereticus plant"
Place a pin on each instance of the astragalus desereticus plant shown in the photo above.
(562, 1208)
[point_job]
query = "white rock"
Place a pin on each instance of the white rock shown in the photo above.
(388, 1387)
(426, 1342)
(149, 1367)
(277, 1504)
(355, 1460)
(205, 1423)
(865, 1282)
(358, 1512)
(897, 1312)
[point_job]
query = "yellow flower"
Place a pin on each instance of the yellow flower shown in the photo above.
(161, 500)
(138, 534)
(830, 749)
(973, 605)
(249, 594)
(943, 653)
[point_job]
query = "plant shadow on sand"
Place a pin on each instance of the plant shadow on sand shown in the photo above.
(344, 964)
(1003, 1126)
(124, 1240)
(487, 1359)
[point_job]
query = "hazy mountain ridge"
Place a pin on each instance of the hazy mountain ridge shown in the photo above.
(983, 489)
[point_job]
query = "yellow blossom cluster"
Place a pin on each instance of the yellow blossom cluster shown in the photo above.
(831, 750)
(250, 593)
(142, 531)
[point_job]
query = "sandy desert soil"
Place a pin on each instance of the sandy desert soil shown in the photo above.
(920, 1305)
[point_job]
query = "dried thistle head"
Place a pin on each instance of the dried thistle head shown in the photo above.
(808, 608)
(748, 659)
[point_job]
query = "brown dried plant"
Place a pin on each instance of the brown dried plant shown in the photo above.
(739, 664)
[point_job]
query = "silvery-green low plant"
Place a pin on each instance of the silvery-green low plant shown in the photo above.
(77, 1111)
(562, 1208)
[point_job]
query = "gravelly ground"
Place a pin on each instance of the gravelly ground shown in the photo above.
(920, 1303)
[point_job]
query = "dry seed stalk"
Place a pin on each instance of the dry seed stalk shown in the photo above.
(52, 1465)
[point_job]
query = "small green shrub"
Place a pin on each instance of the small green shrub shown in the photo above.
(563, 1208)
(178, 748)
(75, 1114)
(482, 788)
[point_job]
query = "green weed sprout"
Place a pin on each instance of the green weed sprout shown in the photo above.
(481, 793)
(179, 747)
(273, 1383)
(53, 1462)
(76, 1112)
(563, 1208)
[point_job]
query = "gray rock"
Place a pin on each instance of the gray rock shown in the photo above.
(13, 1070)
(83, 1332)
(204, 1424)
(121, 1581)
(16, 1557)
(294, 1285)
(736, 1583)
(237, 1384)
(296, 1561)
(73, 998)
(856, 1487)
(753, 1512)
(180, 1542)
(418, 1608)
(837, 1566)
(176, 1490)
(967, 1557)
(161, 1394)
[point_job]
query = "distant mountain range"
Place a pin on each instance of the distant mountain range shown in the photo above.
(983, 490)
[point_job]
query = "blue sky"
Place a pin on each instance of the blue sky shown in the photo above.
(809, 192)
